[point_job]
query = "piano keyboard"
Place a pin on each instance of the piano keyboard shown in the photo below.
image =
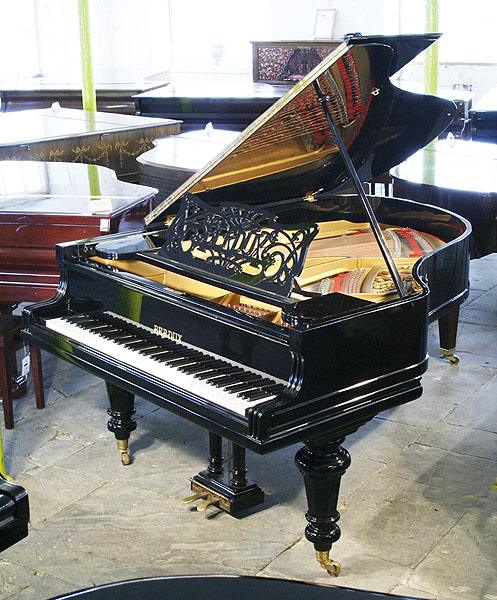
(213, 378)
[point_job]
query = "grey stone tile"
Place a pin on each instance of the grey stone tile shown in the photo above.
(460, 474)
(13, 578)
(397, 520)
(57, 448)
(445, 387)
(155, 465)
(26, 438)
(483, 310)
(381, 440)
(52, 489)
(116, 526)
(479, 411)
(464, 563)
(473, 295)
(43, 587)
(483, 275)
(479, 340)
(462, 440)
(408, 592)
(359, 568)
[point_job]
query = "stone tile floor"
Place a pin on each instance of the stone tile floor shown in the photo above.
(418, 508)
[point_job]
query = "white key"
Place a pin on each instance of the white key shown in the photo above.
(162, 371)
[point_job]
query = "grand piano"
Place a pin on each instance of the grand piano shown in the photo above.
(268, 299)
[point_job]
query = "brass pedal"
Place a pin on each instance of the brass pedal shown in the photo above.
(196, 496)
(211, 499)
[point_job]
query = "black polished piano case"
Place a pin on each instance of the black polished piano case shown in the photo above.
(268, 299)
(14, 514)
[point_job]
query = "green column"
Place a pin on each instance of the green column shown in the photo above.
(431, 53)
(88, 87)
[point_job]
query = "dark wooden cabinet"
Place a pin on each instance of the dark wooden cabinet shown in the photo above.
(43, 204)
(270, 60)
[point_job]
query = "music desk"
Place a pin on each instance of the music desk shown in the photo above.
(43, 204)
(458, 175)
(71, 135)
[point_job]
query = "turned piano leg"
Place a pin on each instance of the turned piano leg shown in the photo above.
(447, 330)
(121, 421)
(232, 492)
(322, 463)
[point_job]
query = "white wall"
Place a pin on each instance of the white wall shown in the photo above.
(141, 39)
(295, 19)
(126, 37)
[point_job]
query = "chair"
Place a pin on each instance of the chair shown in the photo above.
(10, 342)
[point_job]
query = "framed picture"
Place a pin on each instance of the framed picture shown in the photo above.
(325, 22)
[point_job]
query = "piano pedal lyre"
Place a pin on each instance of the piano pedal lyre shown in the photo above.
(122, 446)
(207, 497)
(332, 566)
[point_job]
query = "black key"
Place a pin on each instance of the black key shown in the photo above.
(249, 377)
(183, 361)
(97, 327)
(233, 371)
(108, 331)
(79, 318)
(209, 374)
(192, 369)
(138, 345)
(262, 383)
(277, 388)
(156, 349)
(238, 387)
(256, 395)
(168, 356)
(126, 338)
(203, 365)
(221, 381)
(160, 354)
(148, 349)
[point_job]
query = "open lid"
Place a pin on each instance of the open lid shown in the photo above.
(290, 150)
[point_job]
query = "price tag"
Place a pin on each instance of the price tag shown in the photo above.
(26, 363)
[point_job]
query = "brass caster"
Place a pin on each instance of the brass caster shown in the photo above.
(332, 566)
(449, 355)
(122, 446)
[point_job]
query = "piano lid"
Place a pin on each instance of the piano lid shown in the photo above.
(290, 150)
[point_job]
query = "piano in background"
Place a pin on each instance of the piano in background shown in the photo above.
(262, 301)
(233, 103)
(42, 204)
(483, 118)
(227, 106)
(176, 158)
(115, 96)
(71, 135)
(14, 514)
(460, 176)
